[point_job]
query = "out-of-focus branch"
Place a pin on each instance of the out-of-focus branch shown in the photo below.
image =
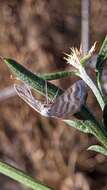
(85, 24)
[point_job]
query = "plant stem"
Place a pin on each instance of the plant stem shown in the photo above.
(93, 87)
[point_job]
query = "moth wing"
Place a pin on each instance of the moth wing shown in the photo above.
(24, 92)
(71, 101)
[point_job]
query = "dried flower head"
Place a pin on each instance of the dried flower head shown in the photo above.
(77, 59)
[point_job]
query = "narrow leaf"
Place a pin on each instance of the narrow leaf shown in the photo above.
(58, 75)
(99, 149)
(83, 126)
(21, 177)
(91, 127)
(33, 80)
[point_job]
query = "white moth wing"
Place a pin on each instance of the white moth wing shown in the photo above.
(70, 102)
(24, 92)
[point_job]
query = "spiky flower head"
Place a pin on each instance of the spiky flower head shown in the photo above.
(77, 59)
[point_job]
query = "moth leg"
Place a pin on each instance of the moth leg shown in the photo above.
(24, 91)
(28, 90)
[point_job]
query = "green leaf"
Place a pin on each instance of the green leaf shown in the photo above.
(102, 56)
(98, 149)
(83, 126)
(58, 75)
(91, 127)
(21, 177)
(38, 81)
(33, 80)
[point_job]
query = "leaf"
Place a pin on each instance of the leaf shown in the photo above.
(21, 177)
(38, 81)
(90, 127)
(58, 75)
(83, 126)
(99, 149)
(101, 60)
(33, 80)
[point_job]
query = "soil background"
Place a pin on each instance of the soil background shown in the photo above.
(37, 33)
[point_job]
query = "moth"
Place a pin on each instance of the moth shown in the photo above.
(70, 102)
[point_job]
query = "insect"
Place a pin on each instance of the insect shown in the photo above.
(70, 102)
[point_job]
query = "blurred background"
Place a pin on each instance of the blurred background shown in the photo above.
(37, 33)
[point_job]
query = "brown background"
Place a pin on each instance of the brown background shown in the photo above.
(36, 33)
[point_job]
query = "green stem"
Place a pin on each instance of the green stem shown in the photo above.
(93, 87)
